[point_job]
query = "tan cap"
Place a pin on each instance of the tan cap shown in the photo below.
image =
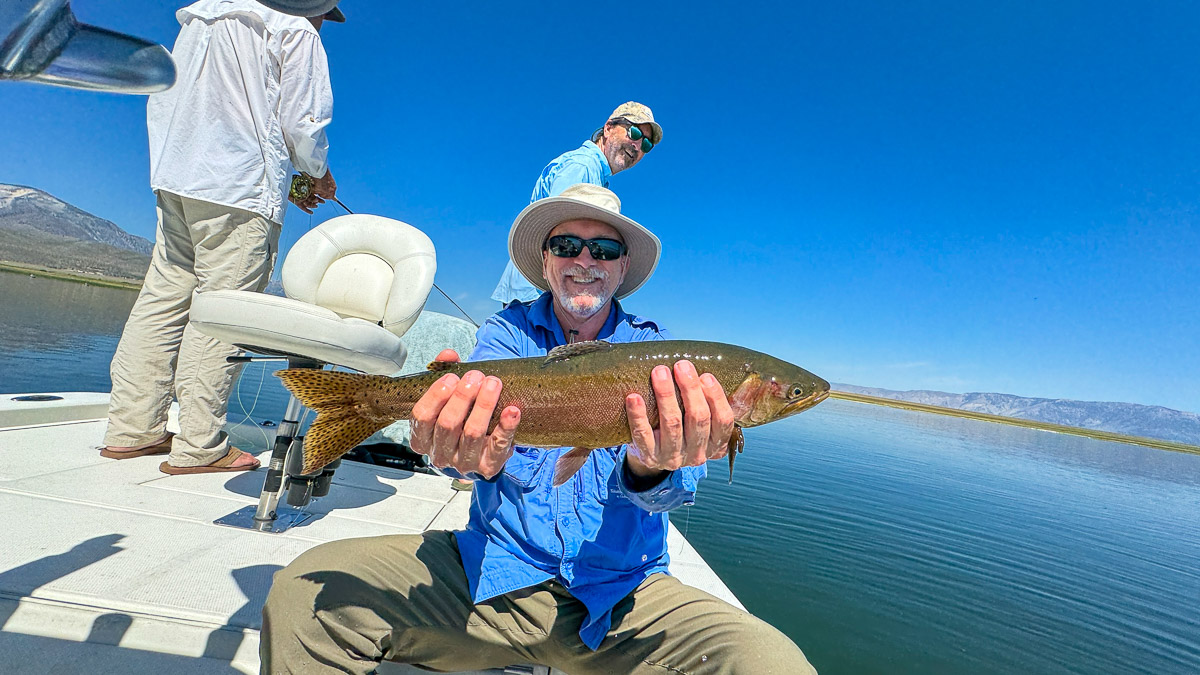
(583, 201)
(636, 113)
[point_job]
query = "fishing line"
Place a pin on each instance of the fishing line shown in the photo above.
(249, 414)
(464, 312)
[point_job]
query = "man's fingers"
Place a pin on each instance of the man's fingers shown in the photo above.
(696, 418)
(722, 417)
(668, 455)
(500, 444)
(426, 410)
(640, 431)
(447, 355)
(450, 421)
(475, 430)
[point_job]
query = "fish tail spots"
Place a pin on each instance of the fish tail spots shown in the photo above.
(569, 464)
(344, 418)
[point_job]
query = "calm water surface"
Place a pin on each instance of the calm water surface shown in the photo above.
(881, 540)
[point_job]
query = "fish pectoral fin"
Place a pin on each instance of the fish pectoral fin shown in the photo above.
(564, 352)
(736, 442)
(569, 464)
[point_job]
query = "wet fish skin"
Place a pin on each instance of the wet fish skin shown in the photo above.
(573, 397)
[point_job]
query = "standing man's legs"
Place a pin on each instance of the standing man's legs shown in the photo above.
(199, 246)
(143, 368)
(234, 250)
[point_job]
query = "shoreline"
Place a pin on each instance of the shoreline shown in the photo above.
(1097, 434)
(67, 275)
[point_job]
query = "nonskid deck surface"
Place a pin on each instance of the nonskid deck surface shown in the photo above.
(112, 566)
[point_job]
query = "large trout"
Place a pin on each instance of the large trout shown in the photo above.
(573, 397)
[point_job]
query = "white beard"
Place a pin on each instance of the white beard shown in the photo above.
(584, 303)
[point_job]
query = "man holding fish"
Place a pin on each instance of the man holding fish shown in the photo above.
(564, 560)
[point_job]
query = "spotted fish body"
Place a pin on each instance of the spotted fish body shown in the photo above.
(573, 397)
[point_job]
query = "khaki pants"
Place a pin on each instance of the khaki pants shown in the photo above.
(199, 246)
(344, 605)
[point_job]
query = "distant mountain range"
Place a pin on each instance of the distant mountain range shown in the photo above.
(1132, 419)
(37, 228)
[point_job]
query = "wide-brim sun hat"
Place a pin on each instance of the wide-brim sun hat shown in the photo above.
(581, 202)
(308, 8)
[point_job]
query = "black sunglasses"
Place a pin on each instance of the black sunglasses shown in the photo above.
(570, 246)
(635, 134)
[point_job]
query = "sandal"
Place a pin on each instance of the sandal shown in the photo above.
(223, 465)
(157, 448)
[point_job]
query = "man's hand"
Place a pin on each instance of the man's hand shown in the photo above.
(325, 187)
(309, 204)
(450, 423)
(688, 437)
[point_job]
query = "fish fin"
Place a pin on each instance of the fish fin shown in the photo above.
(341, 423)
(736, 442)
(569, 464)
(439, 366)
(564, 352)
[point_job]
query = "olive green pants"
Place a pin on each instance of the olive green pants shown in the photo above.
(343, 606)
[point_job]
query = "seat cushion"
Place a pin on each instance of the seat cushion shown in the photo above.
(257, 321)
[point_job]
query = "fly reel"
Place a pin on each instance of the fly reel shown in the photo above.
(302, 186)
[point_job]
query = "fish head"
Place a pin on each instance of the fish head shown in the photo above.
(773, 389)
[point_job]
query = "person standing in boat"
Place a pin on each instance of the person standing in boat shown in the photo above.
(623, 141)
(574, 577)
(251, 101)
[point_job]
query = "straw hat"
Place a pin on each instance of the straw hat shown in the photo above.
(581, 202)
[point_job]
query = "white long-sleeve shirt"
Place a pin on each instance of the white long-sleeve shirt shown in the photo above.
(251, 99)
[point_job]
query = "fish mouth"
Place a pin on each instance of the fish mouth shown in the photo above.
(805, 403)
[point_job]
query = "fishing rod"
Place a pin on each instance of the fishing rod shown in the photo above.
(301, 189)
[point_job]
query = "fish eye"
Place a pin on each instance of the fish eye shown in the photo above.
(796, 391)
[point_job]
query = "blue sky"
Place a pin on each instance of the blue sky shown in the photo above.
(943, 195)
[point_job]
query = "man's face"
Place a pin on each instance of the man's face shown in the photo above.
(621, 151)
(583, 285)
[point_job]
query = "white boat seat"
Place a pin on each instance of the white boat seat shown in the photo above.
(268, 324)
(354, 285)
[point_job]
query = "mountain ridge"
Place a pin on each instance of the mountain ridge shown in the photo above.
(1132, 419)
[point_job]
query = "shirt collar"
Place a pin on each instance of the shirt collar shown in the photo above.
(541, 315)
(603, 160)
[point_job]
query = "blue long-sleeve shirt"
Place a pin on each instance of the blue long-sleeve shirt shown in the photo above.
(594, 534)
(585, 164)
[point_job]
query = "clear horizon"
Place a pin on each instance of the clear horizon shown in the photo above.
(963, 198)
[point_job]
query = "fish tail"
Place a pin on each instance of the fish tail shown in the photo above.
(345, 415)
(568, 464)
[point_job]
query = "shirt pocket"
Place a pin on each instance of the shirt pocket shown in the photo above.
(524, 466)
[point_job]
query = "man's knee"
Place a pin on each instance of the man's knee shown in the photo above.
(300, 581)
(771, 650)
(742, 643)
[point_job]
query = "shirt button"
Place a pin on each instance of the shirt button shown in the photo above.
(644, 558)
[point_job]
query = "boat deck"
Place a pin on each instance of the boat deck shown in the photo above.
(112, 566)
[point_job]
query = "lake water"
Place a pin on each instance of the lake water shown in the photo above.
(881, 540)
